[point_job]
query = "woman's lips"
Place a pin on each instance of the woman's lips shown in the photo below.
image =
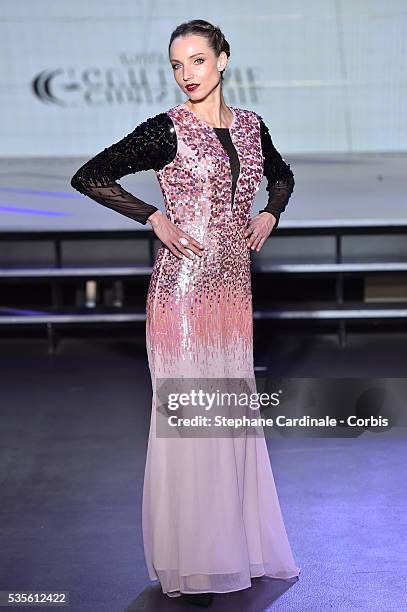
(192, 87)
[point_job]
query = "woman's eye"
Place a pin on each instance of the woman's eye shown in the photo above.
(198, 59)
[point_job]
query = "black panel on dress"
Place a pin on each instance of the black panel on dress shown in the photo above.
(224, 136)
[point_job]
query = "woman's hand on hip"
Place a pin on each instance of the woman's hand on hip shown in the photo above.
(259, 230)
(169, 234)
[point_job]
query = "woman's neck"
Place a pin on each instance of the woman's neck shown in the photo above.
(214, 113)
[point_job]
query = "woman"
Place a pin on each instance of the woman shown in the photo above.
(211, 515)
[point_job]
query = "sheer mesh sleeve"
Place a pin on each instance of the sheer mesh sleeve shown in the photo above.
(280, 177)
(151, 145)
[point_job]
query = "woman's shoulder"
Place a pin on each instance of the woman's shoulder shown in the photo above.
(154, 139)
(247, 113)
(158, 129)
(160, 121)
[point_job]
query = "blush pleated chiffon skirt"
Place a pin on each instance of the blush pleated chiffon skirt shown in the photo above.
(211, 518)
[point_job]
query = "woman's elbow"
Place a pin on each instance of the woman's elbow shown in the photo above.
(78, 182)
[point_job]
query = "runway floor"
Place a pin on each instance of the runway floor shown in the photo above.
(73, 443)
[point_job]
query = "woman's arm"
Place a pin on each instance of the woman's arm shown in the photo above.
(280, 178)
(151, 145)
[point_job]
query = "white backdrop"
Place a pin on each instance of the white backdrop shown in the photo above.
(326, 75)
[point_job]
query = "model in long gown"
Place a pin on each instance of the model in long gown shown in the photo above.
(211, 517)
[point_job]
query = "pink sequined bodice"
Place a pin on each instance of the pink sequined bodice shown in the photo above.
(197, 184)
(197, 191)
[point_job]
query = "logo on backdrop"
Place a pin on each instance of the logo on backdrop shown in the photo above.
(136, 79)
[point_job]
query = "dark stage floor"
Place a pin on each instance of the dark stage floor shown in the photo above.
(74, 435)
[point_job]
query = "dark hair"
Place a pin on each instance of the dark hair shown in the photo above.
(215, 37)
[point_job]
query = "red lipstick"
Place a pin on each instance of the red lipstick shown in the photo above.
(192, 86)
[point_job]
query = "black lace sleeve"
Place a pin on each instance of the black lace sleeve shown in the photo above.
(151, 145)
(280, 177)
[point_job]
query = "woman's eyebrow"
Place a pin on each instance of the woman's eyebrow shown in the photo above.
(201, 53)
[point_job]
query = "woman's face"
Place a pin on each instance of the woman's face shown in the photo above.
(193, 61)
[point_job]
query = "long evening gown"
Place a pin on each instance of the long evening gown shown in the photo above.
(211, 517)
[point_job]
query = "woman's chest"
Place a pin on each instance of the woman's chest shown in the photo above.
(206, 159)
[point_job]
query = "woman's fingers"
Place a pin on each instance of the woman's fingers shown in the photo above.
(192, 248)
(183, 250)
(255, 233)
(260, 245)
(258, 230)
(170, 234)
(255, 240)
(193, 244)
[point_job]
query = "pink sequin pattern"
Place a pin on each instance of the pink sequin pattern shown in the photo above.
(199, 312)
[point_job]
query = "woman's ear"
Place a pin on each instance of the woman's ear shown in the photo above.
(222, 61)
